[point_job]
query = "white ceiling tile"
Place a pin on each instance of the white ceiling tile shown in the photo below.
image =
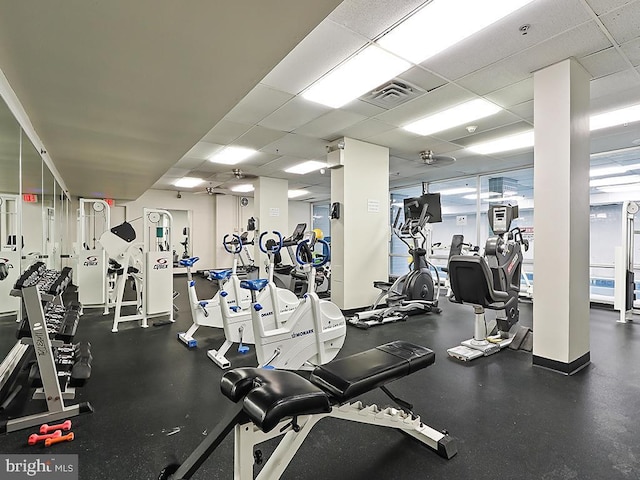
(330, 124)
(482, 136)
(547, 18)
(189, 162)
(372, 17)
(293, 114)
(176, 172)
(605, 62)
(203, 150)
(419, 77)
(523, 110)
(259, 103)
(225, 132)
(632, 51)
(298, 146)
(363, 108)
(258, 137)
(623, 23)
(366, 129)
(439, 99)
(603, 6)
(323, 49)
(492, 122)
(514, 94)
(611, 84)
(408, 145)
(578, 42)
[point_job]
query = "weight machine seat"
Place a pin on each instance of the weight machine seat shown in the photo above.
(222, 274)
(269, 396)
(472, 282)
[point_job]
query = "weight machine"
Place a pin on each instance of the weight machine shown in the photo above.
(92, 266)
(10, 252)
(624, 279)
(149, 264)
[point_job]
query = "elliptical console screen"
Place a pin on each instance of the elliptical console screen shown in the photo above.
(413, 207)
(499, 224)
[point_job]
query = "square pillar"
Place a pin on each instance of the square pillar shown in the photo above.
(561, 218)
(271, 207)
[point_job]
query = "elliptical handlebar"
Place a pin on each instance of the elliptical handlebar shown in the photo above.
(237, 242)
(276, 248)
(326, 255)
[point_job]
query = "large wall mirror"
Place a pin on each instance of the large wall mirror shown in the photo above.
(9, 209)
(49, 250)
(32, 205)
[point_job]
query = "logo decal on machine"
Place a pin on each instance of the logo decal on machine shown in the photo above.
(91, 262)
(512, 264)
(266, 314)
(161, 264)
(302, 334)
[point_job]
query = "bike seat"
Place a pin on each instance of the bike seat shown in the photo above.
(256, 284)
(188, 262)
(222, 274)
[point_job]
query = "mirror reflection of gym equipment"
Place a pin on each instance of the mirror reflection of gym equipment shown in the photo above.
(10, 253)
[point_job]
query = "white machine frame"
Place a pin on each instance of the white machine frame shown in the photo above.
(92, 264)
(154, 280)
(10, 254)
(624, 300)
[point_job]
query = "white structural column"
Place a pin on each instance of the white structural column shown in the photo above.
(561, 218)
(360, 237)
(271, 206)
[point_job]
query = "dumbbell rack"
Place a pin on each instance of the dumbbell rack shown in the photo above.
(51, 391)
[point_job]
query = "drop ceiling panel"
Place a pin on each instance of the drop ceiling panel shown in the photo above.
(603, 6)
(632, 51)
(324, 48)
(618, 82)
(226, 132)
(372, 17)
(176, 173)
(604, 62)
(618, 99)
(547, 18)
(330, 124)
(479, 137)
(189, 162)
(513, 94)
(623, 23)
(259, 103)
(298, 146)
(523, 110)
(492, 122)
(426, 104)
(419, 77)
(293, 114)
(623, 137)
(578, 42)
(203, 150)
(258, 137)
(363, 108)
(366, 129)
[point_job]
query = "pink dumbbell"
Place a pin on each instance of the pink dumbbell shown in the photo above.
(66, 425)
(35, 438)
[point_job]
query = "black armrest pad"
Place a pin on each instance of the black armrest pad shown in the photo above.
(356, 374)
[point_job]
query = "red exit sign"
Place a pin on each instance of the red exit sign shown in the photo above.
(109, 201)
(29, 197)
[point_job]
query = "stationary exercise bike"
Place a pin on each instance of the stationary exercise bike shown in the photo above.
(415, 292)
(207, 313)
(278, 306)
(491, 282)
(313, 335)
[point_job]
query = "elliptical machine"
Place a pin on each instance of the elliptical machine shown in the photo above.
(492, 282)
(414, 292)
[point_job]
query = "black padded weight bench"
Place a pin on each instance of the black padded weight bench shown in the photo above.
(270, 403)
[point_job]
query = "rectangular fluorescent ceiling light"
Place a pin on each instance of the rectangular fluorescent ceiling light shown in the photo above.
(297, 193)
(232, 155)
(504, 144)
(356, 76)
(483, 195)
(306, 167)
(442, 23)
(459, 115)
(188, 182)
(621, 180)
(244, 188)
(456, 191)
(616, 117)
(620, 188)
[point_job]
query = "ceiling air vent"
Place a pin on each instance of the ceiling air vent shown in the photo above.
(391, 94)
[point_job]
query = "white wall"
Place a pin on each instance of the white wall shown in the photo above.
(299, 212)
(202, 209)
(32, 226)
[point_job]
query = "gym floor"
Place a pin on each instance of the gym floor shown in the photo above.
(154, 400)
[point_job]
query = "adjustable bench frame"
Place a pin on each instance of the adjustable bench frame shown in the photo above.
(262, 413)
